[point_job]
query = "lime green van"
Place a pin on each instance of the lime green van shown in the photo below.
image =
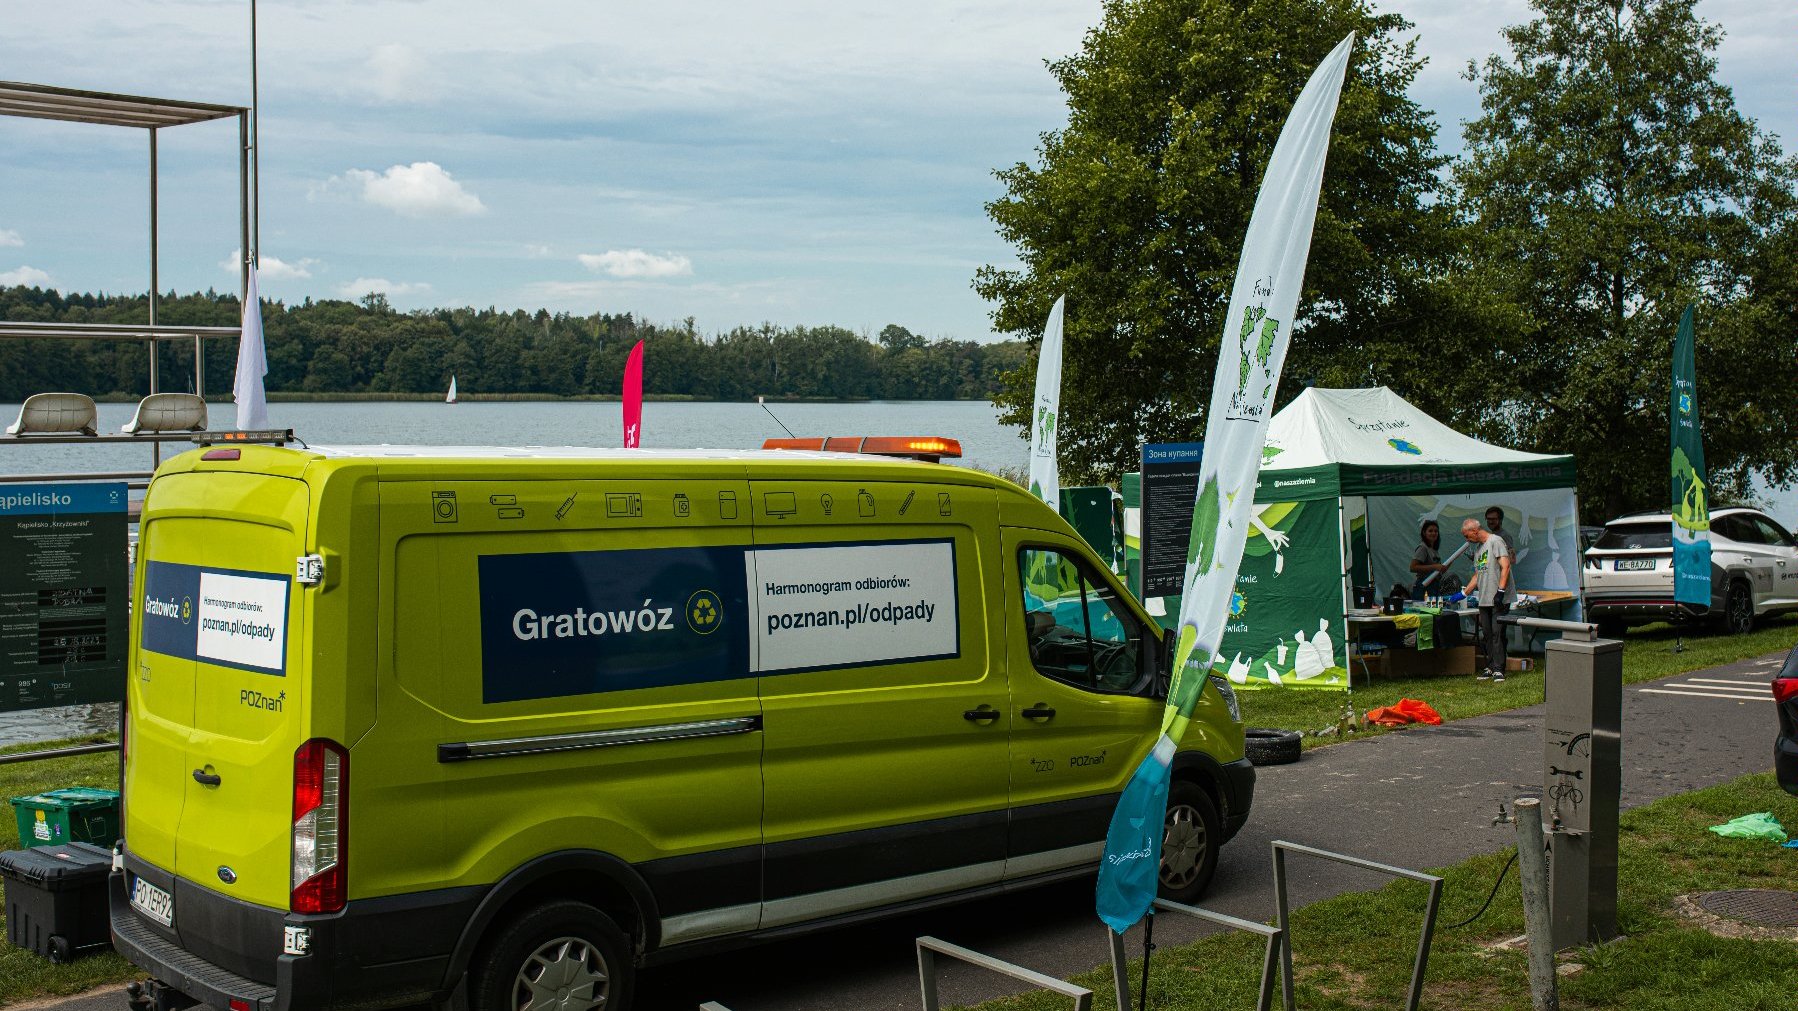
(493, 728)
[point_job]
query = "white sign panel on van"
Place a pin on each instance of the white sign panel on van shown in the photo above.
(242, 620)
(853, 604)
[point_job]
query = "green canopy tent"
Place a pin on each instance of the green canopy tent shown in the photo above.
(1347, 477)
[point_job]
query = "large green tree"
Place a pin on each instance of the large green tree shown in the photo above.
(1136, 211)
(1612, 182)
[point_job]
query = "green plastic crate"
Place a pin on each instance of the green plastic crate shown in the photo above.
(72, 814)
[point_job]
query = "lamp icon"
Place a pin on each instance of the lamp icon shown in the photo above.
(825, 501)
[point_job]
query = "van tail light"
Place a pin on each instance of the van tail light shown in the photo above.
(1785, 689)
(321, 827)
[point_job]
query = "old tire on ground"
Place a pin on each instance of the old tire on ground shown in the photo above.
(1265, 746)
(1610, 628)
(563, 954)
(1192, 838)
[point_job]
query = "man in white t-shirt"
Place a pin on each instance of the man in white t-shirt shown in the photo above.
(1492, 580)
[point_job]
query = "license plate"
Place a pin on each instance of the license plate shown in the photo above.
(1635, 564)
(153, 902)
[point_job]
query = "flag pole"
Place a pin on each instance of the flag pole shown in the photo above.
(255, 251)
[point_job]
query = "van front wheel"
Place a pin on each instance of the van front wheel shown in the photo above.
(561, 956)
(1193, 836)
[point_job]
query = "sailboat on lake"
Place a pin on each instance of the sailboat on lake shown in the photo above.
(452, 392)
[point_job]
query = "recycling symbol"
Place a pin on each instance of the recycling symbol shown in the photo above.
(705, 612)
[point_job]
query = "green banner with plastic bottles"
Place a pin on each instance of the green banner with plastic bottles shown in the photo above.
(1286, 627)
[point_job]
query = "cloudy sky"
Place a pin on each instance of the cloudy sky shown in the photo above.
(796, 161)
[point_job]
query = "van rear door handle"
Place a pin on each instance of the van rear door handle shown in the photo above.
(204, 778)
(1037, 712)
(980, 715)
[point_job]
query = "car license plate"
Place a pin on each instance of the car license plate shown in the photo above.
(1635, 564)
(153, 902)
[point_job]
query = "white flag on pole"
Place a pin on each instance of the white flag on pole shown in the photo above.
(1256, 330)
(252, 364)
(1045, 471)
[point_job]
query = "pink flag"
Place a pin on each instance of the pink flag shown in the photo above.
(633, 397)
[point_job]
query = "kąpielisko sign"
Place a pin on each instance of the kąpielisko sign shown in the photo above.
(63, 573)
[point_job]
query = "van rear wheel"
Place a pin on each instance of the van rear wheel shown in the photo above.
(1192, 838)
(561, 956)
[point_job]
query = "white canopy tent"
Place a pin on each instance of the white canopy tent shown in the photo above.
(1347, 479)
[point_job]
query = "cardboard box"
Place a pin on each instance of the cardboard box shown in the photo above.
(1455, 661)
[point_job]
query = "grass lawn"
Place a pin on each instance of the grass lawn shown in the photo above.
(1646, 657)
(23, 975)
(1354, 951)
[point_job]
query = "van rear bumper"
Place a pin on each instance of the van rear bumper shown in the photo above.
(376, 952)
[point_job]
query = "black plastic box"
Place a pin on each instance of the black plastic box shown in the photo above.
(56, 900)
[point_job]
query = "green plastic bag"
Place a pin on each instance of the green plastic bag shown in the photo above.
(1761, 825)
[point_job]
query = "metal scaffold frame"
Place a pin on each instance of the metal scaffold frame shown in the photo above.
(37, 101)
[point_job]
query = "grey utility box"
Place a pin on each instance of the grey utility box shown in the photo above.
(1582, 778)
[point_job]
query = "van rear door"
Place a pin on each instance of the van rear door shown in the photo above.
(221, 675)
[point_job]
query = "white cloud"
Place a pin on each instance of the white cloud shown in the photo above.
(419, 190)
(271, 268)
(8, 237)
(397, 73)
(637, 263)
(363, 285)
(29, 277)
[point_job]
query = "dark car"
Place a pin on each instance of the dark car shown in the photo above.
(1785, 746)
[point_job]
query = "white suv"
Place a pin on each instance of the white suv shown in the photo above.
(1628, 575)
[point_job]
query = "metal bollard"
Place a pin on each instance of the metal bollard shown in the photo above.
(1532, 865)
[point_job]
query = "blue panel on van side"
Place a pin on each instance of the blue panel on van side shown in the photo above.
(577, 622)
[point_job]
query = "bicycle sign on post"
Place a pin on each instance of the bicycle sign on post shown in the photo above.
(1582, 773)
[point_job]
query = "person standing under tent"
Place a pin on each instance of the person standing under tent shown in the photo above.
(1427, 560)
(1495, 524)
(1492, 570)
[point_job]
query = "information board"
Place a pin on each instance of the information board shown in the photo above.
(1170, 482)
(63, 588)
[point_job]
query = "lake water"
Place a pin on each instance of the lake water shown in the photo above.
(985, 443)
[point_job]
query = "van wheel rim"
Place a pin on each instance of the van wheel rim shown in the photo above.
(566, 974)
(1182, 846)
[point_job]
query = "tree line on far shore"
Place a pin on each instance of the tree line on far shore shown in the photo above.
(333, 347)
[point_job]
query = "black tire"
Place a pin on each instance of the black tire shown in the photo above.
(1738, 610)
(574, 941)
(1610, 628)
(1192, 839)
(1265, 746)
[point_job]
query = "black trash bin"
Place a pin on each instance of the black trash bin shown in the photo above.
(56, 899)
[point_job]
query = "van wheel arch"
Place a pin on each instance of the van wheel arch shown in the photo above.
(600, 880)
(1202, 771)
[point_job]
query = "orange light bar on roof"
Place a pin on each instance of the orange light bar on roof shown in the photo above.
(918, 447)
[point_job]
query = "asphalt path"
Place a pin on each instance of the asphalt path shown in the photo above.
(1421, 798)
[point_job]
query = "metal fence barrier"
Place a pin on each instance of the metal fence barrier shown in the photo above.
(1281, 848)
(78, 749)
(930, 947)
(1276, 937)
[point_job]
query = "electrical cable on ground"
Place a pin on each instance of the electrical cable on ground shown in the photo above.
(1490, 897)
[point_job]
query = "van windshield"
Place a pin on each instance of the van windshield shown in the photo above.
(1635, 535)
